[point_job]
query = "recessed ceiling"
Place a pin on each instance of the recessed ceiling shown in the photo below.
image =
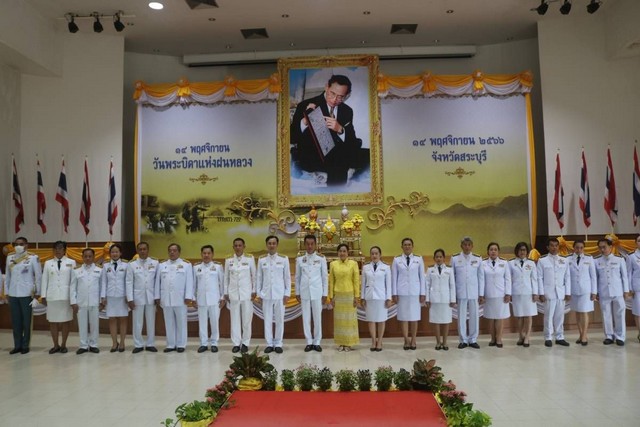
(312, 24)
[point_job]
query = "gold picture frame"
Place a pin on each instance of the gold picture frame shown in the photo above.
(300, 180)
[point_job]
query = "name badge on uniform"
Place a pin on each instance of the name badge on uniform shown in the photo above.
(179, 266)
(213, 268)
(245, 263)
(25, 269)
(474, 262)
(69, 265)
(109, 270)
(279, 263)
(501, 265)
(561, 261)
(316, 262)
(527, 267)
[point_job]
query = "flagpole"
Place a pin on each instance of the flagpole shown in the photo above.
(37, 190)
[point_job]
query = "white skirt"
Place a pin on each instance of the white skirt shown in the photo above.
(635, 304)
(523, 306)
(495, 308)
(440, 312)
(409, 308)
(376, 311)
(59, 311)
(117, 307)
(581, 303)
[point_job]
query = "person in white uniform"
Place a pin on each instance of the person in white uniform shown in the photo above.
(497, 292)
(376, 296)
(209, 283)
(409, 292)
(633, 270)
(113, 296)
(239, 292)
(312, 288)
(524, 291)
(85, 301)
(554, 288)
(140, 289)
(273, 287)
(22, 283)
(441, 297)
(613, 289)
(174, 291)
(469, 284)
(584, 288)
(55, 292)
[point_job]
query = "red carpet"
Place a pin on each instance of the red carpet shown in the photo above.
(310, 409)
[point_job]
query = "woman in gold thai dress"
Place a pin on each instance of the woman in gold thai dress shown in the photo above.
(344, 291)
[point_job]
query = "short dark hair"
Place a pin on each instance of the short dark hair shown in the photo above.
(271, 237)
(341, 80)
(60, 244)
(405, 239)
(439, 251)
(578, 241)
(142, 243)
(176, 245)
(310, 237)
(607, 241)
(342, 245)
(492, 244)
(376, 247)
(552, 239)
(520, 245)
(88, 250)
(24, 239)
(206, 247)
(115, 245)
(239, 239)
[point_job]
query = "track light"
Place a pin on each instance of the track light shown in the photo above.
(593, 6)
(117, 24)
(566, 7)
(97, 26)
(542, 9)
(73, 27)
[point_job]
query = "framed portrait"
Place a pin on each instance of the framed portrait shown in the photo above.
(329, 149)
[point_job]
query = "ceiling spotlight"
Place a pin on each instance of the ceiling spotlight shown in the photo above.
(97, 26)
(156, 5)
(566, 7)
(117, 23)
(593, 6)
(73, 27)
(542, 9)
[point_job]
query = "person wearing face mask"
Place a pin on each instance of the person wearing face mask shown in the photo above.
(497, 292)
(441, 297)
(22, 283)
(524, 285)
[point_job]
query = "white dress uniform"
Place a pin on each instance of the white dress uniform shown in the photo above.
(554, 283)
(273, 283)
(174, 284)
(209, 284)
(22, 280)
(312, 283)
(613, 281)
(55, 287)
(524, 285)
(497, 284)
(469, 283)
(407, 282)
(633, 270)
(113, 287)
(85, 292)
(583, 283)
(376, 290)
(441, 292)
(140, 288)
(239, 284)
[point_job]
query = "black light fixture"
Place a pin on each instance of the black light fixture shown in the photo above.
(566, 7)
(97, 26)
(542, 9)
(593, 6)
(117, 23)
(73, 27)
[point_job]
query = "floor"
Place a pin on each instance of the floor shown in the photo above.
(576, 386)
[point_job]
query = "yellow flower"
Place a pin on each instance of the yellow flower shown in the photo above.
(347, 225)
(357, 219)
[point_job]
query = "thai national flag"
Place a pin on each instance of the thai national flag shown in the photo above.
(85, 208)
(610, 199)
(112, 212)
(17, 199)
(42, 203)
(636, 187)
(558, 195)
(61, 197)
(585, 197)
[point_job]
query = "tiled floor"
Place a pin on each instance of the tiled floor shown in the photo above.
(578, 386)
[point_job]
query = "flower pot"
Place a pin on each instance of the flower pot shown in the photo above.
(249, 384)
(201, 423)
(420, 386)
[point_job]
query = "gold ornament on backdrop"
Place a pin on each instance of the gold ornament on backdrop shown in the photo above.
(460, 172)
(249, 208)
(204, 178)
(329, 229)
(384, 217)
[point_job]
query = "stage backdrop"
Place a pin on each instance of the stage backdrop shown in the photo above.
(456, 158)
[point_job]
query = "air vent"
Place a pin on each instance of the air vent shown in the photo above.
(255, 33)
(201, 4)
(404, 28)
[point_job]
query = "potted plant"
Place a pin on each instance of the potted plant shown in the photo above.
(288, 380)
(194, 414)
(306, 376)
(426, 375)
(402, 380)
(270, 380)
(383, 377)
(250, 367)
(324, 379)
(364, 379)
(346, 380)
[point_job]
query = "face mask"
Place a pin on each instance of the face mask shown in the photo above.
(19, 249)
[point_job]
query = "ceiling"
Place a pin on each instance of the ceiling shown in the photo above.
(299, 24)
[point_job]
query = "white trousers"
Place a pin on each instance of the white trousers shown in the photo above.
(241, 315)
(88, 328)
(211, 313)
(470, 307)
(141, 314)
(273, 310)
(553, 319)
(175, 323)
(613, 310)
(312, 308)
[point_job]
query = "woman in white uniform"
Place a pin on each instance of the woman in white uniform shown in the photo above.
(441, 297)
(113, 296)
(584, 288)
(376, 296)
(633, 269)
(497, 292)
(524, 288)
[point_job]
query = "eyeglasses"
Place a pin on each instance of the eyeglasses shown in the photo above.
(331, 94)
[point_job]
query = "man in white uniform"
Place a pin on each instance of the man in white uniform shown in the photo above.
(85, 301)
(239, 291)
(209, 283)
(22, 283)
(173, 291)
(140, 291)
(469, 286)
(312, 288)
(554, 288)
(55, 291)
(613, 289)
(273, 286)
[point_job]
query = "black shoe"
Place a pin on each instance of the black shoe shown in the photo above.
(64, 350)
(180, 349)
(308, 348)
(202, 349)
(548, 343)
(607, 341)
(113, 349)
(214, 349)
(152, 349)
(268, 350)
(520, 341)
(54, 350)
(526, 345)
(413, 347)
(372, 349)
(81, 351)
(235, 349)
(619, 343)
(244, 349)
(278, 350)
(317, 348)
(24, 350)
(445, 348)
(563, 343)
(492, 343)
(499, 345)
(438, 347)
(137, 350)
(474, 345)
(121, 349)
(578, 341)
(94, 350)
(406, 347)
(584, 343)
(168, 350)
(378, 349)
(463, 345)
(15, 351)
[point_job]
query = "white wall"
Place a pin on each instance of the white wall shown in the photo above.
(588, 100)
